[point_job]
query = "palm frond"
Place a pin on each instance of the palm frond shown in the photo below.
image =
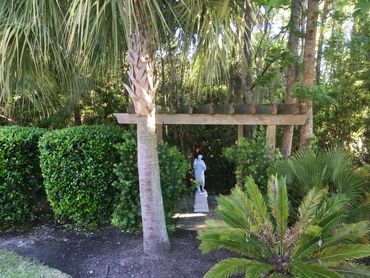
(259, 206)
(347, 233)
(333, 168)
(234, 266)
(278, 201)
(216, 25)
(334, 254)
(233, 239)
(235, 209)
(352, 270)
(299, 269)
(309, 206)
(320, 271)
(31, 36)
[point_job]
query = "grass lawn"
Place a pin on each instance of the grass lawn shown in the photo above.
(15, 266)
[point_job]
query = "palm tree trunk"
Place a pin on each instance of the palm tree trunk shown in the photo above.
(309, 69)
(292, 74)
(156, 240)
(142, 92)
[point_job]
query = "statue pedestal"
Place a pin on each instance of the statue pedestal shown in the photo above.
(201, 202)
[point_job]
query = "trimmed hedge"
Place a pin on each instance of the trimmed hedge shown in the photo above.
(77, 164)
(173, 168)
(21, 190)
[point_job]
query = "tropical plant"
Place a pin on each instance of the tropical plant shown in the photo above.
(333, 168)
(316, 245)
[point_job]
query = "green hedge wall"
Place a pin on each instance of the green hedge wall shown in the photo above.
(77, 164)
(21, 190)
(173, 168)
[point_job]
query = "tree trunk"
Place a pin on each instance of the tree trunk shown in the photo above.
(324, 16)
(142, 92)
(292, 74)
(309, 69)
(156, 240)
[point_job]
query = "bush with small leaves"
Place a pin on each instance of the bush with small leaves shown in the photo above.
(251, 158)
(22, 195)
(77, 164)
(173, 168)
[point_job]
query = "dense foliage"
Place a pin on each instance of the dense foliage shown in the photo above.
(77, 164)
(173, 168)
(251, 158)
(333, 169)
(21, 191)
(316, 245)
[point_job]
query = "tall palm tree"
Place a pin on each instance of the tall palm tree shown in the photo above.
(36, 36)
(41, 37)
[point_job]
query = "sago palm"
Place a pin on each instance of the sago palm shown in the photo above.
(316, 245)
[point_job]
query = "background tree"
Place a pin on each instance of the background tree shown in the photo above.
(309, 68)
(292, 72)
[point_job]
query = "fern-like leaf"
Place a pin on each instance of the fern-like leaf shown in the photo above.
(258, 203)
(233, 209)
(352, 270)
(343, 252)
(235, 266)
(348, 233)
(233, 239)
(309, 206)
(299, 269)
(323, 272)
(278, 200)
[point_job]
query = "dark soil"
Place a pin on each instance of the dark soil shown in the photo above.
(110, 253)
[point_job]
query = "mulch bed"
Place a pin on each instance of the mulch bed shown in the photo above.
(110, 253)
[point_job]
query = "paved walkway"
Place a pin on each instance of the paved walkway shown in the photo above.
(193, 221)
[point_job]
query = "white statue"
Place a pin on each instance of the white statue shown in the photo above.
(199, 168)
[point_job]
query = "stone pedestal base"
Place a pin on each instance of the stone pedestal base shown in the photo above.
(201, 203)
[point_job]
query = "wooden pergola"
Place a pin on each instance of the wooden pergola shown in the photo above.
(271, 115)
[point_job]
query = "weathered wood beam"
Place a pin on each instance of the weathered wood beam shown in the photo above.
(217, 119)
(159, 133)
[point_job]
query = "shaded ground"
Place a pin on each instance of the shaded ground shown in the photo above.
(111, 253)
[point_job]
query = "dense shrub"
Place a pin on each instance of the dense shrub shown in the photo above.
(21, 189)
(77, 165)
(251, 158)
(173, 168)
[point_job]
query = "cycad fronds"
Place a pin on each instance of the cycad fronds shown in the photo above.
(341, 252)
(229, 267)
(258, 230)
(278, 201)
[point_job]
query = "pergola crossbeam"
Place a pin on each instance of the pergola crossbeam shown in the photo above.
(218, 119)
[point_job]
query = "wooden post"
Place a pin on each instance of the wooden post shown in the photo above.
(271, 138)
(271, 135)
(159, 132)
(240, 133)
